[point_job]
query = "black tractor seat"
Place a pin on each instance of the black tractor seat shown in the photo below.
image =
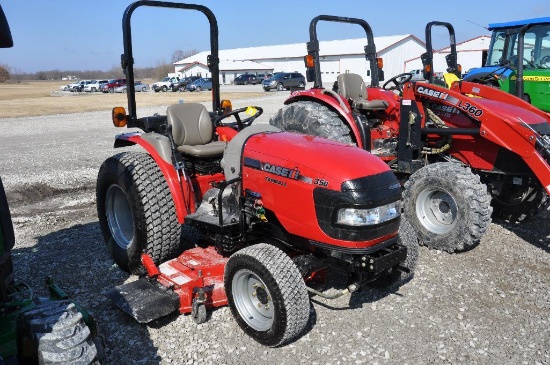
(193, 131)
(352, 87)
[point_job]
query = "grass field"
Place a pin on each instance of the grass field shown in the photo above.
(43, 98)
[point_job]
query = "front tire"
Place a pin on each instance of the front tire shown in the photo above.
(312, 118)
(448, 206)
(266, 294)
(164, 88)
(396, 278)
(54, 332)
(136, 211)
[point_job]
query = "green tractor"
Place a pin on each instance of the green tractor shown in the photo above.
(519, 61)
(37, 330)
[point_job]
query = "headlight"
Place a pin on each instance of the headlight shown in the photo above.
(367, 217)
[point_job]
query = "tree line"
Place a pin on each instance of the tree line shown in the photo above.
(157, 72)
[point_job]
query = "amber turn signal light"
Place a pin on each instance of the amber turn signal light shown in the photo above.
(226, 106)
(119, 117)
(380, 62)
(308, 60)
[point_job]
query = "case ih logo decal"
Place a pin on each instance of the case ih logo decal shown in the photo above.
(279, 170)
(292, 173)
(431, 93)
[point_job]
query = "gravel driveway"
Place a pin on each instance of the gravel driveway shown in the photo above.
(486, 306)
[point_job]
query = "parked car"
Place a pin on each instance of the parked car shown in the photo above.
(110, 86)
(79, 85)
(182, 83)
(164, 84)
(284, 80)
(94, 85)
(246, 79)
(263, 76)
(138, 86)
(200, 84)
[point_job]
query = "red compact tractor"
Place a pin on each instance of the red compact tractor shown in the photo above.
(462, 153)
(216, 212)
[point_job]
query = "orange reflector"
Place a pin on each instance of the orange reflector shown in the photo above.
(427, 68)
(380, 62)
(120, 118)
(226, 106)
(459, 68)
(308, 60)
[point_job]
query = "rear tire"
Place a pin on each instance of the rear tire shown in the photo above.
(312, 118)
(136, 211)
(266, 294)
(396, 278)
(517, 204)
(54, 332)
(448, 206)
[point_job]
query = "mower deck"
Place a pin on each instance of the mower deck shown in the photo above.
(197, 274)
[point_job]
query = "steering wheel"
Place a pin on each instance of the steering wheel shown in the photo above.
(398, 82)
(545, 59)
(240, 124)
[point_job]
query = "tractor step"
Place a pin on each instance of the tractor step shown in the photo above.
(144, 299)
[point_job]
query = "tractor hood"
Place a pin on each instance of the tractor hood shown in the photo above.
(314, 157)
(305, 181)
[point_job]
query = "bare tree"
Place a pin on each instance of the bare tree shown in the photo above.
(179, 55)
(4, 73)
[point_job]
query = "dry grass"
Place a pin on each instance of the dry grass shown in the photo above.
(42, 98)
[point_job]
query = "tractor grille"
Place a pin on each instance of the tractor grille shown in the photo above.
(367, 192)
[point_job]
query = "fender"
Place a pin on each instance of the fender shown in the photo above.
(341, 107)
(172, 176)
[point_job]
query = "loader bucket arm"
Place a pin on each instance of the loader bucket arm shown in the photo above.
(313, 48)
(509, 131)
(127, 58)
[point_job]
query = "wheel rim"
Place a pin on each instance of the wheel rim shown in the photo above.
(253, 300)
(119, 216)
(280, 87)
(437, 210)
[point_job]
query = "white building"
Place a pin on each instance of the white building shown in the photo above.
(337, 57)
(470, 53)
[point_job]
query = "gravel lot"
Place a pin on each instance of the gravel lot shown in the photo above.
(486, 306)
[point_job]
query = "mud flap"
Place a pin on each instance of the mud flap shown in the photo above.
(144, 300)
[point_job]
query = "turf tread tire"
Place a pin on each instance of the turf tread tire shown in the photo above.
(156, 228)
(285, 284)
(312, 118)
(471, 196)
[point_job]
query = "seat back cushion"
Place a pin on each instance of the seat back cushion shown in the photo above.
(191, 124)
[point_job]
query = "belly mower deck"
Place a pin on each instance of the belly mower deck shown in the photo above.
(193, 279)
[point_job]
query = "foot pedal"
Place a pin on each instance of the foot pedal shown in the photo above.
(144, 300)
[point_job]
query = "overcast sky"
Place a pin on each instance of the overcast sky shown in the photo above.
(87, 34)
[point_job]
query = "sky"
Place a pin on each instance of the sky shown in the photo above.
(87, 34)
